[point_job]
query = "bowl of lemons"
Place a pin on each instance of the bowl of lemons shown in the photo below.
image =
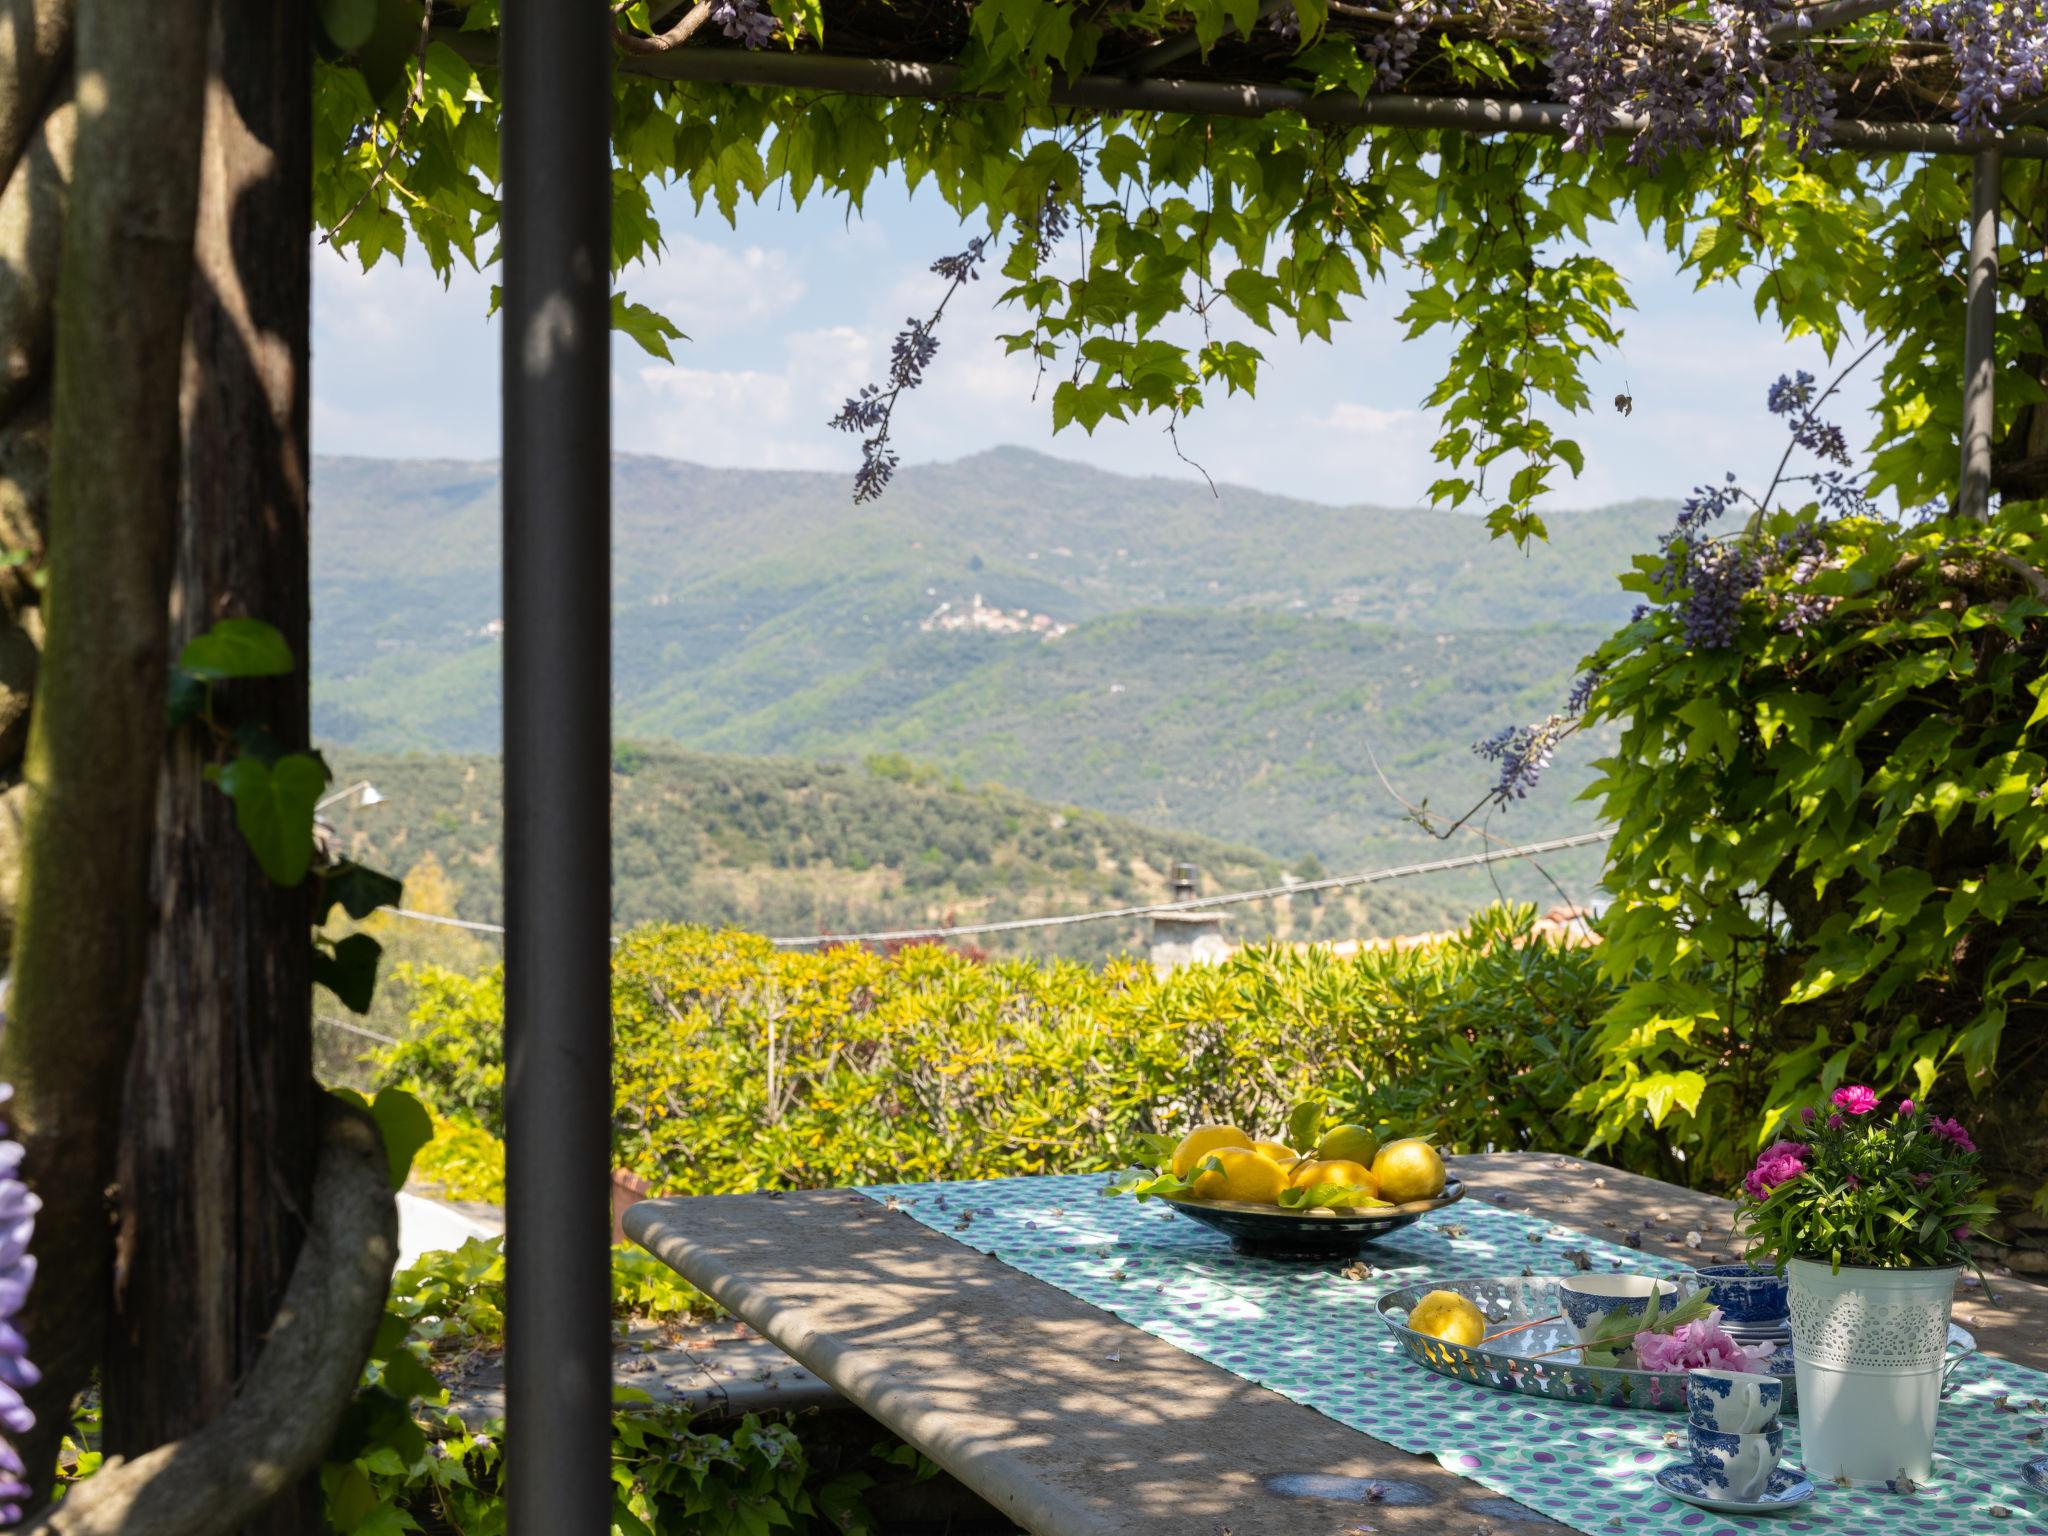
(1321, 1189)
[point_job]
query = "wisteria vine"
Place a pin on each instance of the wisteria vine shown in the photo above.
(1706, 575)
(18, 1207)
(872, 410)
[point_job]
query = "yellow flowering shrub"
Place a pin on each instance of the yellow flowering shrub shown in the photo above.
(739, 1066)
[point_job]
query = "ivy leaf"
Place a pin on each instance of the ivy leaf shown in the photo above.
(360, 891)
(406, 1127)
(274, 809)
(349, 970)
(236, 648)
(187, 699)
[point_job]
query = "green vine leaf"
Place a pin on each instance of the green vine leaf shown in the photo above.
(349, 970)
(274, 809)
(237, 648)
(357, 890)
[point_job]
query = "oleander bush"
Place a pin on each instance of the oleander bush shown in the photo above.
(743, 1067)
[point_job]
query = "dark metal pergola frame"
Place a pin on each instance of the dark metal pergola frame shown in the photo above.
(557, 59)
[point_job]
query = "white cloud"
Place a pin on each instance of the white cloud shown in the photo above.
(716, 290)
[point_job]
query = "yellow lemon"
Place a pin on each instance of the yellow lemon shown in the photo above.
(1246, 1176)
(1335, 1171)
(1203, 1140)
(1448, 1316)
(1286, 1157)
(1350, 1143)
(1408, 1170)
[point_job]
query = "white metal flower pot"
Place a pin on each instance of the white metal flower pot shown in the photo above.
(1868, 1347)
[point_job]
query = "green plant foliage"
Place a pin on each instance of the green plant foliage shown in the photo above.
(739, 1067)
(237, 648)
(1829, 860)
(463, 1161)
(274, 809)
(1280, 221)
(403, 1460)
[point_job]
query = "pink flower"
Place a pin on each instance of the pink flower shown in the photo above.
(1922, 1180)
(1808, 1115)
(1906, 1109)
(1858, 1100)
(1951, 1131)
(1697, 1344)
(1781, 1162)
(1854, 1182)
(1836, 1122)
(1962, 1233)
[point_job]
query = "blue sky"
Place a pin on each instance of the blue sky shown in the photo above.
(794, 309)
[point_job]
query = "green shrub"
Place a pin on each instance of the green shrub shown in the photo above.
(1831, 850)
(742, 1067)
(404, 1460)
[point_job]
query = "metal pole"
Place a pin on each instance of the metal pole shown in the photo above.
(556, 136)
(1980, 335)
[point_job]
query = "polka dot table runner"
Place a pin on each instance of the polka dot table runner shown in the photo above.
(1308, 1330)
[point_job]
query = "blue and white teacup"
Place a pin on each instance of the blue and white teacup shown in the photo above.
(1746, 1293)
(1737, 1467)
(1588, 1300)
(1734, 1402)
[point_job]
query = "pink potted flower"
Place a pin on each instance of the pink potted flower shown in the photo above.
(1867, 1212)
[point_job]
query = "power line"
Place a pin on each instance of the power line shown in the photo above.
(355, 1029)
(1200, 903)
(1111, 914)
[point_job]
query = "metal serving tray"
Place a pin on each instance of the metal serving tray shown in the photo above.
(1508, 1365)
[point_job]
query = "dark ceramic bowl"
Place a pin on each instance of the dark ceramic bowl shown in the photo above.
(1746, 1293)
(1269, 1232)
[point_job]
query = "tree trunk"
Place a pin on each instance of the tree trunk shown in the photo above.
(218, 1150)
(96, 730)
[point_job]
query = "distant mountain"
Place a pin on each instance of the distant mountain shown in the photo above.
(1227, 664)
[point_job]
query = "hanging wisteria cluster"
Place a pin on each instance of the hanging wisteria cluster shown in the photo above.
(1689, 86)
(871, 411)
(18, 1209)
(746, 21)
(2000, 49)
(1693, 85)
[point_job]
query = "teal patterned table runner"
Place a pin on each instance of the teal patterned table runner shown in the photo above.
(1308, 1330)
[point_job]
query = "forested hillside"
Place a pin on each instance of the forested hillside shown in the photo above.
(1226, 664)
(786, 847)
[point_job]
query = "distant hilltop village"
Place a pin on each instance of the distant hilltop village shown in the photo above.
(978, 615)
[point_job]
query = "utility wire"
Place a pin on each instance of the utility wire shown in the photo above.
(1111, 914)
(354, 1029)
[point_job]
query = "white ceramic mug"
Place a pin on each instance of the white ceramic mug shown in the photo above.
(1734, 1402)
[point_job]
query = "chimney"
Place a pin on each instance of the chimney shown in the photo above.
(1186, 938)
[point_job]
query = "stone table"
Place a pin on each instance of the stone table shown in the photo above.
(1074, 1423)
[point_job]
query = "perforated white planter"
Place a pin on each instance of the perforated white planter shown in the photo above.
(1868, 1349)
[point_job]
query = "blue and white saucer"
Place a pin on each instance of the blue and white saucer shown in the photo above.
(1788, 1486)
(2035, 1474)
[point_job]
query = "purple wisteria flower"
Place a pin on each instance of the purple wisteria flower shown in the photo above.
(18, 1209)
